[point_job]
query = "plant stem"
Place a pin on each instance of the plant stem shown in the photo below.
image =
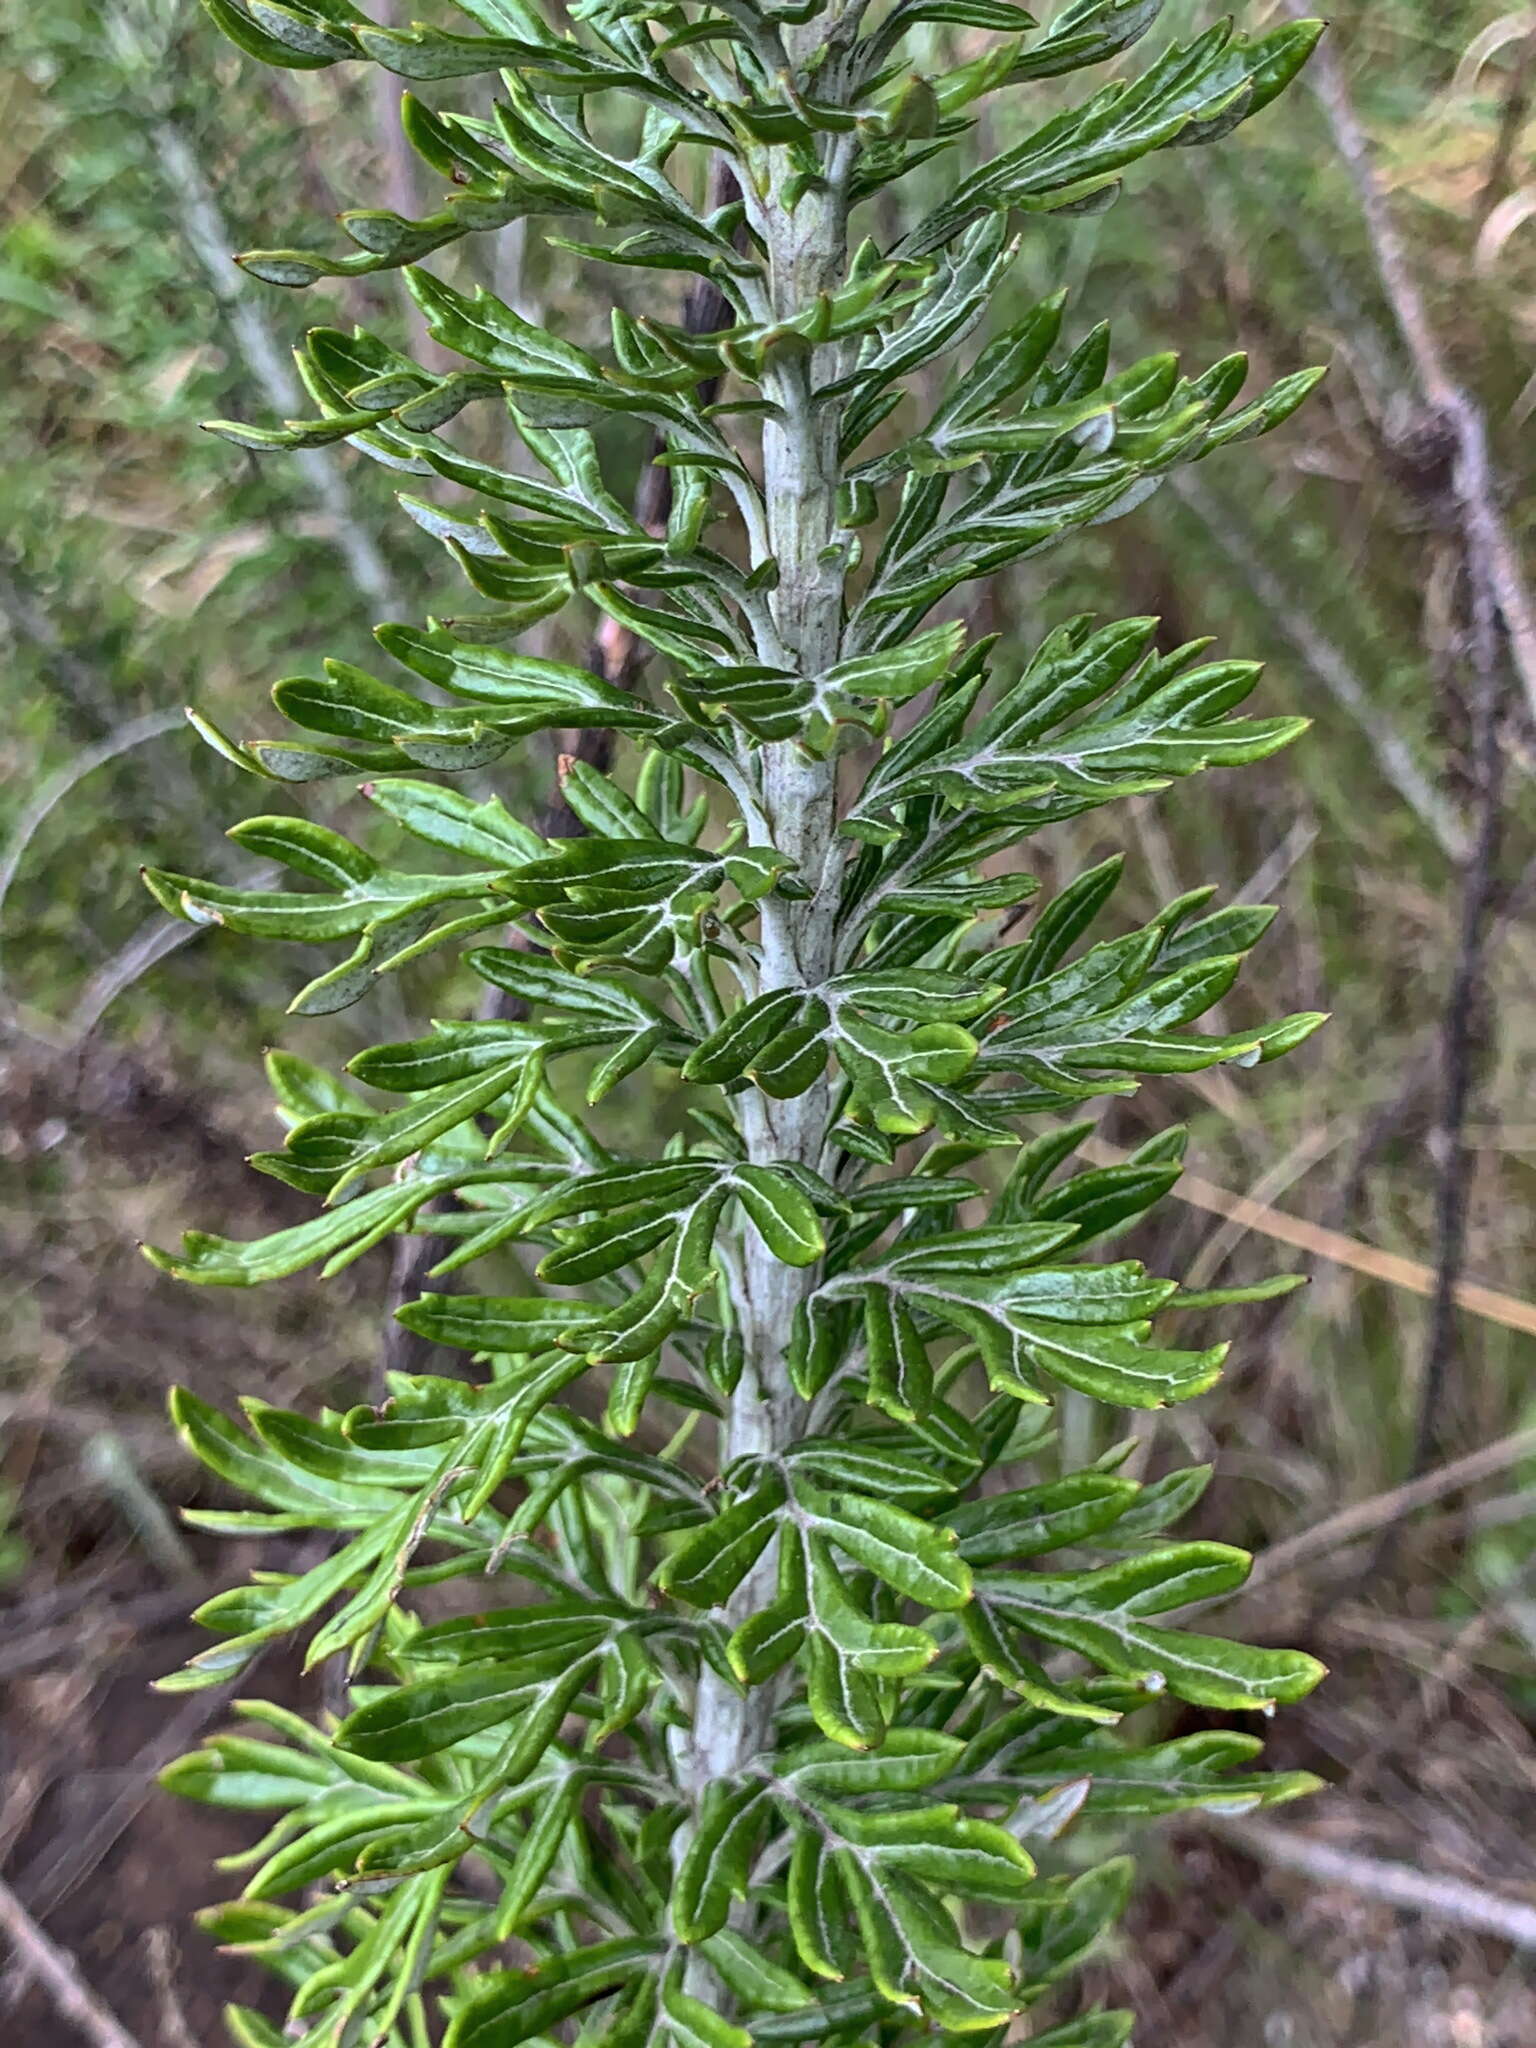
(806, 245)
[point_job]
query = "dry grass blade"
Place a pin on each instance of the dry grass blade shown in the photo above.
(1393, 756)
(77, 1858)
(1413, 1275)
(133, 732)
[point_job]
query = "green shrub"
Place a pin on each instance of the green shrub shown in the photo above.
(783, 1680)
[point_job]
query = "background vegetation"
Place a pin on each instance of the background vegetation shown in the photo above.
(1380, 1455)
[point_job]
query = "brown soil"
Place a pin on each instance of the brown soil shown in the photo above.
(113, 1867)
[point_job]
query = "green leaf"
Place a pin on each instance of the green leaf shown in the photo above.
(1099, 1614)
(899, 1367)
(692, 2024)
(847, 1655)
(916, 1959)
(517, 692)
(938, 1845)
(911, 1556)
(716, 1867)
(1089, 2030)
(908, 1760)
(1120, 1369)
(1057, 1934)
(729, 1050)
(781, 1214)
(1193, 1772)
(483, 832)
(255, 41)
(509, 2006)
(479, 1322)
(817, 1907)
(919, 994)
(899, 672)
(226, 1262)
(1052, 1516)
(1191, 93)
(893, 1073)
(423, 1719)
(707, 1567)
(760, 1984)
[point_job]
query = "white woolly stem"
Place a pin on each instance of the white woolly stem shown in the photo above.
(806, 250)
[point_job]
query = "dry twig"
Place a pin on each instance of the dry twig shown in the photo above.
(1382, 1510)
(1497, 598)
(59, 1975)
(1395, 1884)
(162, 1955)
(1461, 1025)
(133, 732)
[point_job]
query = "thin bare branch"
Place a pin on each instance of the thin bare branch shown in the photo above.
(155, 940)
(1394, 1884)
(81, 683)
(1365, 1517)
(1513, 115)
(59, 1975)
(133, 733)
(77, 1856)
(1495, 596)
(1491, 549)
